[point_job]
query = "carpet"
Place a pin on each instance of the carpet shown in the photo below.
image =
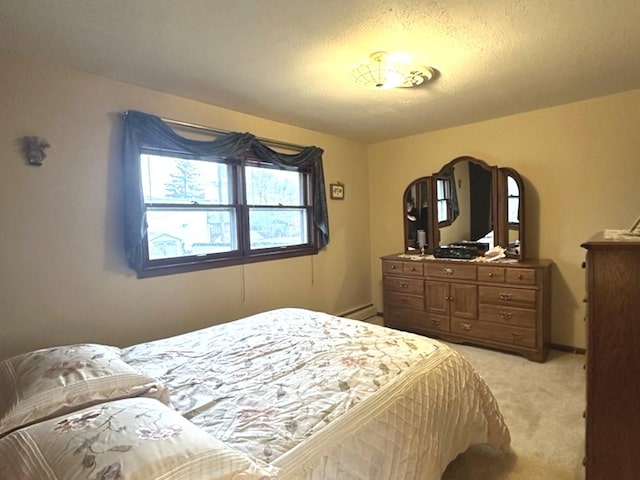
(542, 404)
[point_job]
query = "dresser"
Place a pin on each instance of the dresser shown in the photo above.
(613, 358)
(504, 305)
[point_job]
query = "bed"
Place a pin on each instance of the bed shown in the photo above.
(287, 394)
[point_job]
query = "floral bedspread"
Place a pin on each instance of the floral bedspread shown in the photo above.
(267, 382)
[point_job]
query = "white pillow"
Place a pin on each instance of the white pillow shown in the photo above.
(54, 381)
(129, 439)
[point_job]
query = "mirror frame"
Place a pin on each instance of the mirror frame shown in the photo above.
(499, 206)
(503, 214)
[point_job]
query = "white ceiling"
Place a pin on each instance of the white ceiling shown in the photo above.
(291, 60)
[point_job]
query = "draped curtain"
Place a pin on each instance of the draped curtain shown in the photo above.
(144, 130)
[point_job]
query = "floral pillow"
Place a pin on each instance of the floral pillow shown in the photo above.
(53, 381)
(128, 439)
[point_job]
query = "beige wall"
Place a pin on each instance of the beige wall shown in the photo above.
(581, 166)
(63, 275)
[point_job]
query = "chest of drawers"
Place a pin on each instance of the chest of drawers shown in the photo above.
(500, 305)
(613, 358)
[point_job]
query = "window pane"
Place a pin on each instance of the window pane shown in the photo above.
(178, 180)
(276, 227)
(513, 193)
(179, 233)
(268, 186)
(443, 211)
(514, 204)
(443, 192)
(512, 187)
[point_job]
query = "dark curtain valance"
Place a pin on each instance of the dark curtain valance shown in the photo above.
(144, 130)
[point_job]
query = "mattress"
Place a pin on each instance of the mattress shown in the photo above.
(317, 396)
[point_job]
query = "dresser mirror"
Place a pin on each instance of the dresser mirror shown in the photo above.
(512, 212)
(467, 200)
(416, 215)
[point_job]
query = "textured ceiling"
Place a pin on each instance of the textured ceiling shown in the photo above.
(291, 60)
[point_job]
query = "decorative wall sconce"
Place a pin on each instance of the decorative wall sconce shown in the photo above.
(33, 148)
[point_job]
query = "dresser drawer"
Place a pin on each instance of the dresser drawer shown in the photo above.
(491, 274)
(437, 322)
(412, 268)
(392, 266)
(516, 297)
(413, 286)
(414, 302)
(493, 332)
(405, 319)
(458, 272)
(507, 334)
(464, 327)
(520, 276)
(508, 315)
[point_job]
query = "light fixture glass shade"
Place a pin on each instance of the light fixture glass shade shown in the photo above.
(379, 73)
(382, 72)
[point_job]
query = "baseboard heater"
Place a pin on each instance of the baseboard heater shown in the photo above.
(360, 313)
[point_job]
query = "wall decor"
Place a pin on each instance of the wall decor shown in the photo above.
(33, 148)
(336, 191)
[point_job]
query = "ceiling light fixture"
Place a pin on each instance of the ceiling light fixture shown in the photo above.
(387, 71)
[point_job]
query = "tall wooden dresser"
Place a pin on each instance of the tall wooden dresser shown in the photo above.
(613, 358)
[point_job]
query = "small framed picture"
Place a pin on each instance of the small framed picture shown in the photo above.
(336, 191)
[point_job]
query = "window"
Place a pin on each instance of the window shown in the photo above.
(194, 204)
(443, 192)
(211, 212)
(513, 200)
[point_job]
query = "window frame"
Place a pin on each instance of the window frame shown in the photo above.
(243, 254)
(446, 198)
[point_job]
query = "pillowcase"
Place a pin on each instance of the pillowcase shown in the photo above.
(129, 439)
(44, 383)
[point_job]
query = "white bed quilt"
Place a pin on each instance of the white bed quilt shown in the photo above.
(324, 397)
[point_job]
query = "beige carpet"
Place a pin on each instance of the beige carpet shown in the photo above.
(542, 405)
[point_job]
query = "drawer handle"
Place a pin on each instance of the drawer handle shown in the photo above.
(505, 296)
(435, 322)
(393, 267)
(505, 315)
(490, 274)
(516, 336)
(465, 326)
(520, 277)
(414, 269)
(404, 300)
(404, 285)
(448, 271)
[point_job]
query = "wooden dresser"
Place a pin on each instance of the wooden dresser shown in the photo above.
(613, 359)
(505, 305)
